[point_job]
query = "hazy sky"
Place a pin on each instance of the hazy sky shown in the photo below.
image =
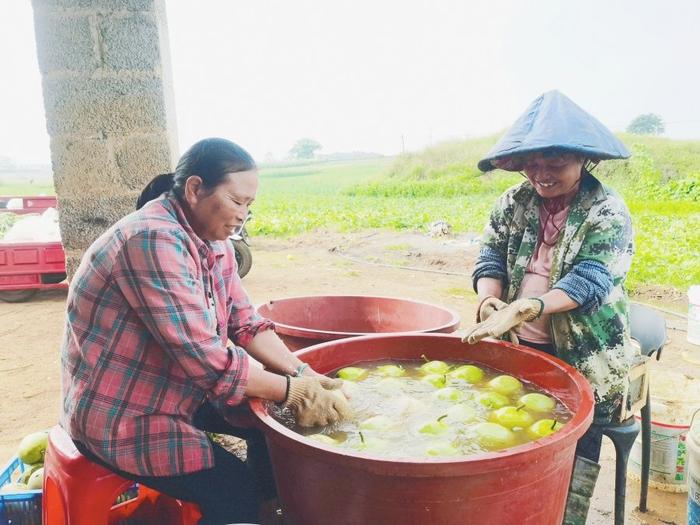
(360, 75)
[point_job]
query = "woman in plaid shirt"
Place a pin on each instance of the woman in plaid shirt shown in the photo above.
(146, 368)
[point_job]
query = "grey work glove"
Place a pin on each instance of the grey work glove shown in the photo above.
(488, 306)
(328, 383)
(502, 321)
(316, 402)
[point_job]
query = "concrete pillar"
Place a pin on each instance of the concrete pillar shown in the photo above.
(107, 83)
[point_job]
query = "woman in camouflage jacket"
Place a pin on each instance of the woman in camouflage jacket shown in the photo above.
(556, 251)
(589, 263)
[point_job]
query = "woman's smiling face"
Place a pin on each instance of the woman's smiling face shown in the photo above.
(553, 176)
(217, 213)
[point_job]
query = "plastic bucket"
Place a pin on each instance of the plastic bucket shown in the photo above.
(306, 321)
(528, 484)
(675, 395)
(693, 443)
(667, 466)
(694, 315)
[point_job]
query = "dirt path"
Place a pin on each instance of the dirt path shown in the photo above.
(364, 263)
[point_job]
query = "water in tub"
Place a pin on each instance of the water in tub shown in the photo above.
(436, 409)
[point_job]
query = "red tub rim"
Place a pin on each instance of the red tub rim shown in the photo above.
(578, 424)
(331, 335)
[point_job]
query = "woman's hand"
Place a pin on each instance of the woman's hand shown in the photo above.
(488, 306)
(327, 382)
(501, 321)
(316, 400)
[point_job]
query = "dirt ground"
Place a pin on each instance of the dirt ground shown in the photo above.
(369, 263)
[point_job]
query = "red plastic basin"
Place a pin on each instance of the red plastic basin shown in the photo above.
(306, 321)
(527, 484)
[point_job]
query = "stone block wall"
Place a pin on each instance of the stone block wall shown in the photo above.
(110, 115)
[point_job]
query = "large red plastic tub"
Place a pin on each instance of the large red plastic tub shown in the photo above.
(306, 321)
(527, 484)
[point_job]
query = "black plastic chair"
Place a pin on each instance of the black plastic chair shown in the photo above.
(648, 328)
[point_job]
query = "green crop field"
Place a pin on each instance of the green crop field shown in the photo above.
(26, 188)
(660, 183)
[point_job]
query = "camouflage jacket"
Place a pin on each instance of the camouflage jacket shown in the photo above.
(598, 228)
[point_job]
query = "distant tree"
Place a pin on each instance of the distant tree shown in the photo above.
(647, 124)
(304, 149)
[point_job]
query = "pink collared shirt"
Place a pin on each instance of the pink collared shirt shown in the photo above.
(149, 312)
(536, 280)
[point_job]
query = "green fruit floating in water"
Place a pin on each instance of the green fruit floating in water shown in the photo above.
(511, 417)
(33, 447)
(468, 373)
(371, 443)
(390, 386)
(460, 414)
(537, 402)
(442, 448)
(390, 370)
(505, 385)
(434, 367)
(492, 400)
(36, 480)
(494, 436)
(437, 427)
(450, 394)
(543, 428)
(377, 423)
(323, 438)
(405, 406)
(437, 380)
(352, 373)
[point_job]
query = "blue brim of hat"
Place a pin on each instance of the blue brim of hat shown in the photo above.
(554, 124)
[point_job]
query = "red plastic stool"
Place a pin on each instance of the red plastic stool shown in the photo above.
(80, 492)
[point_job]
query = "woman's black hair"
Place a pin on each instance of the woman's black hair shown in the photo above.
(210, 159)
(154, 189)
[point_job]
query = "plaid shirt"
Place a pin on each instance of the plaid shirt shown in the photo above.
(149, 312)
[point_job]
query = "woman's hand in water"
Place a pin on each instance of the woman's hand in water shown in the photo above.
(315, 401)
